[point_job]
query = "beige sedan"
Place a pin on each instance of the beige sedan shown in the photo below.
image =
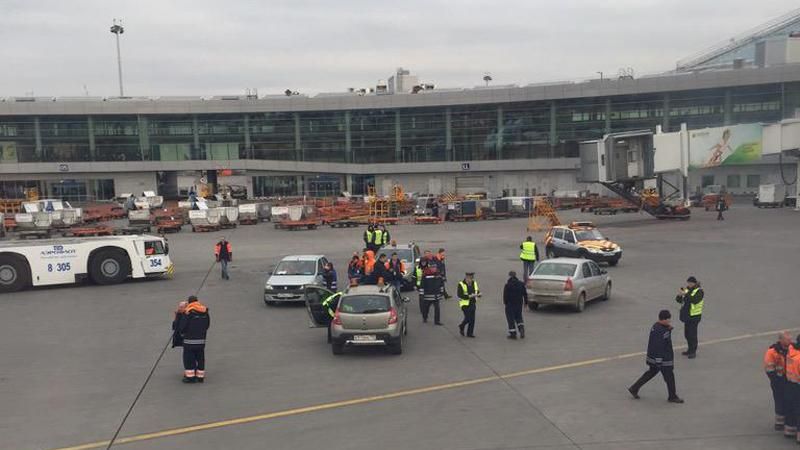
(567, 281)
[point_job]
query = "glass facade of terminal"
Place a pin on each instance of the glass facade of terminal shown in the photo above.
(516, 130)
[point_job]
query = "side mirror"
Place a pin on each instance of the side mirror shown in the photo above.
(603, 271)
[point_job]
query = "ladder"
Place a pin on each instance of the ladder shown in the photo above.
(650, 200)
(542, 215)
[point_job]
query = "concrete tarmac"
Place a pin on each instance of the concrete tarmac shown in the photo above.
(73, 358)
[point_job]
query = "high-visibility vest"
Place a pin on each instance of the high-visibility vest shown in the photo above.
(328, 302)
(385, 237)
(774, 362)
(528, 251)
(378, 237)
(695, 309)
(418, 274)
(369, 236)
(793, 365)
(464, 301)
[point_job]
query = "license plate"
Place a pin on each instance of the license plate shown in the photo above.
(364, 337)
(285, 295)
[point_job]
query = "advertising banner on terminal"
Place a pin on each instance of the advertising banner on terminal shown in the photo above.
(8, 152)
(723, 146)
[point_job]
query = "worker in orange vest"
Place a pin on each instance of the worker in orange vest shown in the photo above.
(775, 368)
(791, 393)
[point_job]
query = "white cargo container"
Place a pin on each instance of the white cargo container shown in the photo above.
(104, 260)
(248, 213)
(205, 218)
(228, 216)
(771, 195)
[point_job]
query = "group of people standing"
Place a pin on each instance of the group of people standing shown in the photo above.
(782, 366)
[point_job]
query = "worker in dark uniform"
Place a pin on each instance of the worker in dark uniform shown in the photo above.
(192, 326)
(441, 266)
(691, 301)
(721, 205)
(385, 238)
(380, 271)
(431, 294)
(329, 277)
(468, 294)
(660, 358)
(224, 255)
(514, 297)
(775, 368)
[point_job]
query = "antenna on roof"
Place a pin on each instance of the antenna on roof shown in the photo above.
(487, 77)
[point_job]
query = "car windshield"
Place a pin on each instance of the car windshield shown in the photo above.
(402, 254)
(589, 235)
(364, 304)
(555, 269)
(296, 268)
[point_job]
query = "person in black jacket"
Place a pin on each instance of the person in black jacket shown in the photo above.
(660, 358)
(192, 326)
(515, 296)
(380, 271)
(691, 300)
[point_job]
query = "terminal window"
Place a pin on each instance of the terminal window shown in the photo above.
(734, 181)
(753, 181)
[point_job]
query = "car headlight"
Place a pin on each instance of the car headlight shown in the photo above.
(267, 287)
(593, 250)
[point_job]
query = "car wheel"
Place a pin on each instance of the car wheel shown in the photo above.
(533, 306)
(607, 294)
(109, 266)
(14, 273)
(337, 348)
(583, 254)
(397, 347)
(550, 253)
(581, 304)
(405, 328)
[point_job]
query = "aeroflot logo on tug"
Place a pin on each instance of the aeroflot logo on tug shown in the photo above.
(58, 250)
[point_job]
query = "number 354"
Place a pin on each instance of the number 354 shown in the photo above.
(59, 267)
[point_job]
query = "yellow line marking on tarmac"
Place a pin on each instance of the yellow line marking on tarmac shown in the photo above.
(382, 397)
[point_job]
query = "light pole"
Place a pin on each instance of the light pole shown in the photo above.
(117, 29)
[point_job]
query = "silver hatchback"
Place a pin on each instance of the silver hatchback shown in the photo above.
(567, 281)
(366, 316)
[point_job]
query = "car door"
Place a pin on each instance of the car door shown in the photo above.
(588, 282)
(318, 314)
(594, 280)
(597, 279)
(558, 242)
(570, 244)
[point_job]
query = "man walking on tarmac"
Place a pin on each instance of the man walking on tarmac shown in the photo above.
(369, 238)
(529, 255)
(431, 293)
(192, 327)
(660, 358)
(691, 301)
(224, 255)
(468, 294)
(721, 205)
(775, 367)
(514, 297)
(791, 393)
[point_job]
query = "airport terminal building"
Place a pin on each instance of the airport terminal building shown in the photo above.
(512, 140)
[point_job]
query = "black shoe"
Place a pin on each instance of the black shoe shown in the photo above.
(692, 355)
(189, 379)
(438, 323)
(201, 380)
(470, 335)
(522, 333)
(512, 336)
(675, 400)
(635, 394)
(684, 353)
(424, 320)
(461, 329)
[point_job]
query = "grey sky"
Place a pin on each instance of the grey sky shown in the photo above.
(203, 47)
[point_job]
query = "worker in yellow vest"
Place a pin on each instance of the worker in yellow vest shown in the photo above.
(468, 294)
(529, 256)
(691, 300)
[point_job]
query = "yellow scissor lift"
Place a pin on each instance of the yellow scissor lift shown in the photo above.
(542, 215)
